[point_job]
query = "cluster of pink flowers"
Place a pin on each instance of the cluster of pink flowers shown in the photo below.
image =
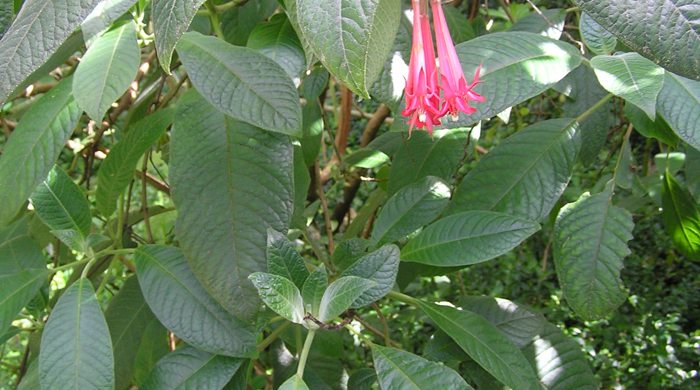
(424, 103)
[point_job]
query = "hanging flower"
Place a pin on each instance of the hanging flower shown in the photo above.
(456, 92)
(422, 94)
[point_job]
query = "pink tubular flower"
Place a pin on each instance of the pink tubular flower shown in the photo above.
(422, 94)
(456, 92)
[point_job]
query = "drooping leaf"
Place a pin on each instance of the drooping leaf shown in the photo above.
(171, 18)
(389, 86)
(284, 260)
(666, 32)
(679, 105)
(658, 128)
(313, 289)
(230, 183)
(529, 61)
(559, 362)
(102, 16)
(76, 350)
(352, 38)
(62, 206)
(106, 70)
(242, 83)
(411, 208)
(177, 299)
(34, 146)
(485, 344)
(190, 368)
(279, 294)
(515, 321)
(468, 238)
(380, 266)
(278, 40)
(302, 182)
(533, 168)
(37, 32)
(681, 216)
(117, 170)
(631, 77)
(397, 369)
(596, 37)
(590, 241)
(341, 294)
(550, 23)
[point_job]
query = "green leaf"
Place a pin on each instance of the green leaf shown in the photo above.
(38, 31)
(117, 170)
(34, 146)
(681, 216)
(362, 379)
(312, 130)
(128, 317)
(352, 38)
(284, 260)
(302, 181)
(658, 128)
(596, 37)
(484, 343)
(515, 66)
(63, 207)
(459, 25)
(280, 295)
(76, 350)
(548, 24)
(294, 383)
(106, 70)
(242, 83)
(559, 361)
(468, 238)
(190, 368)
(154, 345)
(341, 294)
(411, 208)
(230, 183)
(313, 289)
(277, 40)
(176, 298)
(104, 14)
(171, 18)
(381, 267)
(397, 369)
(666, 32)
(632, 77)
(239, 22)
(366, 158)
(679, 105)
(590, 241)
(16, 290)
(518, 323)
(533, 168)
(389, 86)
(424, 155)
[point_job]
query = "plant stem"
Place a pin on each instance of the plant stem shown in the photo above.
(69, 266)
(272, 336)
(305, 353)
(214, 19)
(402, 298)
(593, 108)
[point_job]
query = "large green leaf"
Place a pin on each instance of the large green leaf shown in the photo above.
(681, 216)
(104, 14)
(351, 37)
(284, 260)
(76, 350)
(34, 147)
(411, 208)
(63, 207)
(424, 155)
(242, 83)
(280, 295)
(117, 170)
(278, 40)
(658, 128)
(559, 361)
(515, 321)
(230, 183)
(341, 294)
(171, 18)
(532, 167)
(313, 289)
(590, 241)
(667, 32)
(177, 299)
(484, 343)
(548, 23)
(397, 369)
(106, 70)
(468, 238)
(631, 77)
(190, 368)
(128, 317)
(154, 346)
(596, 37)
(16, 290)
(380, 266)
(679, 104)
(515, 66)
(38, 31)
